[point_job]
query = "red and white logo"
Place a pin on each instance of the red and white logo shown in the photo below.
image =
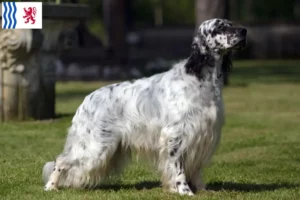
(30, 13)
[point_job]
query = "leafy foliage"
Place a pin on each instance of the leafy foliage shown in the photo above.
(264, 10)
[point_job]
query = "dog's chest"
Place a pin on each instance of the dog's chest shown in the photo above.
(206, 101)
(206, 110)
(205, 120)
(209, 113)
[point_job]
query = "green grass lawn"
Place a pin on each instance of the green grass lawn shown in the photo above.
(259, 155)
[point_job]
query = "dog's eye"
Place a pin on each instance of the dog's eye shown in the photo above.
(220, 27)
(216, 31)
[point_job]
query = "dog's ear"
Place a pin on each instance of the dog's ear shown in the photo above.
(196, 60)
(226, 67)
(195, 57)
(195, 50)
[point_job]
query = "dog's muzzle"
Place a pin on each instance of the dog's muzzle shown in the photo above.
(242, 32)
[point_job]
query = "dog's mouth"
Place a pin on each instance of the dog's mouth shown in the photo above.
(241, 44)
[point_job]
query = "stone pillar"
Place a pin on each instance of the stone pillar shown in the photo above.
(19, 59)
(27, 65)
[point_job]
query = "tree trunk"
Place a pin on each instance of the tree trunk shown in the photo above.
(115, 20)
(248, 10)
(207, 9)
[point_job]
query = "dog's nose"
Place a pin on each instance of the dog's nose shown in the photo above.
(243, 32)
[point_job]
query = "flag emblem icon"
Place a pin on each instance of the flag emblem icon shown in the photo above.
(30, 15)
(22, 15)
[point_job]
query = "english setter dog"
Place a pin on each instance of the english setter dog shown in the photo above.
(175, 117)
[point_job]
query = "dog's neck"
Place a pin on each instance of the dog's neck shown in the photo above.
(204, 64)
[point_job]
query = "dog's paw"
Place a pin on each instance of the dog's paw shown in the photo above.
(186, 192)
(50, 187)
(184, 189)
(200, 186)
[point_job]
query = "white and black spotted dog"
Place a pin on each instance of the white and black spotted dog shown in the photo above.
(175, 116)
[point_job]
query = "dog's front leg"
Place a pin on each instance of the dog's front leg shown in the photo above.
(197, 182)
(175, 169)
(180, 182)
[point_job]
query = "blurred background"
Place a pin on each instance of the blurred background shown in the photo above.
(124, 39)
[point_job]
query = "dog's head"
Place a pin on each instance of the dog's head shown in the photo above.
(216, 38)
(220, 35)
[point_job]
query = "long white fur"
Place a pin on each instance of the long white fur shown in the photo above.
(173, 116)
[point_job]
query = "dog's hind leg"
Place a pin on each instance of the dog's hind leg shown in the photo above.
(52, 180)
(81, 168)
(87, 160)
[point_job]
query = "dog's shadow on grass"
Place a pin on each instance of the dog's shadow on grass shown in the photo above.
(216, 186)
(248, 187)
(145, 185)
